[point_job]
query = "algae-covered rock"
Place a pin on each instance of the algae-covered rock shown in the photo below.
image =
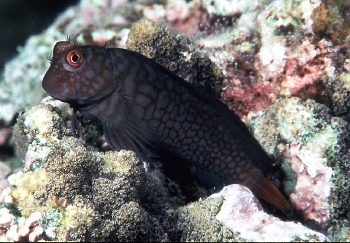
(69, 190)
(312, 145)
(77, 192)
(84, 194)
(198, 223)
(239, 204)
(176, 52)
(340, 85)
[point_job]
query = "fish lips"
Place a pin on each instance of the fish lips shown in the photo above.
(60, 90)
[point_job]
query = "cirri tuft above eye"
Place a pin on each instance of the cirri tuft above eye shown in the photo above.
(74, 58)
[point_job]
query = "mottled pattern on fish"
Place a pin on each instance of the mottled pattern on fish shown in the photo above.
(145, 108)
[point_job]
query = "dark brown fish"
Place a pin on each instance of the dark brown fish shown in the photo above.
(145, 108)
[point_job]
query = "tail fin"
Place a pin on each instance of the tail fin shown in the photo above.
(264, 189)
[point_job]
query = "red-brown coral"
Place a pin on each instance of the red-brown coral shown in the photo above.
(304, 74)
(183, 16)
(331, 20)
(245, 98)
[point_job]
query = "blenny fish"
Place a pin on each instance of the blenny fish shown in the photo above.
(144, 107)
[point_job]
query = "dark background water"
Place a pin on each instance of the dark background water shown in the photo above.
(20, 19)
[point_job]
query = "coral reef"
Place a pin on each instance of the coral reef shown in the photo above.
(197, 217)
(69, 190)
(73, 187)
(331, 20)
(340, 85)
(238, 37)
(20, 84)
(267, 53)
(306, 137)
(177, 53)
(281, 60)
(72, 191)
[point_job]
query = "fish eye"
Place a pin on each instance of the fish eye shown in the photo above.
(74, 58)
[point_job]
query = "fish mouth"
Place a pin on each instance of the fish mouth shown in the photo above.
(73, 101)
(62, 92)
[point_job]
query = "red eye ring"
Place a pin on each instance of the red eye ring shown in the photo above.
(74, 58)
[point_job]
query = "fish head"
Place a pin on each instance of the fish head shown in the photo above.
(79, 74)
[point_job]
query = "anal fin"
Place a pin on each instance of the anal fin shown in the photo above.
(263, 188)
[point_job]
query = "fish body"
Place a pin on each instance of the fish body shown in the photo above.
(146, 108)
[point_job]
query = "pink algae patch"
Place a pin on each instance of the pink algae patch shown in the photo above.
(312, 192)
